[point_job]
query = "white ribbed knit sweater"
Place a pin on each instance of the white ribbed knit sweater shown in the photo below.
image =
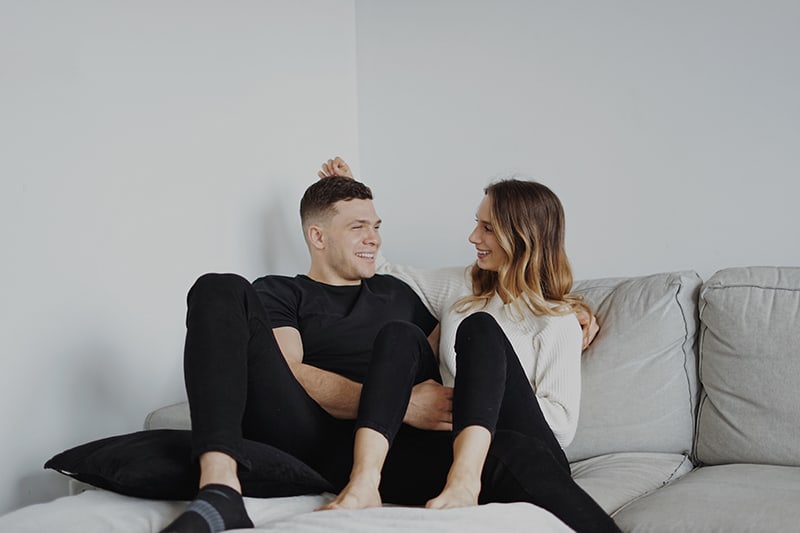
(549, 347)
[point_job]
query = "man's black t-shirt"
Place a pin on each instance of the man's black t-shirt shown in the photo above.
(338, 324)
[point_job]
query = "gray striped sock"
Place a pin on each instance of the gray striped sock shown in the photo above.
(216, 508)
(209, 513)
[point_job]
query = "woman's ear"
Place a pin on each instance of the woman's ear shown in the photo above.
(316, 237)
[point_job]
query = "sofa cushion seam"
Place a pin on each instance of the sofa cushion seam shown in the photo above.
(669, 480)
(750, 286)
(684, 350)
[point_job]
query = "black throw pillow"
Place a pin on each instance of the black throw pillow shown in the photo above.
(156, 464)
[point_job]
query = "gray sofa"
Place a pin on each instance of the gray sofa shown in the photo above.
(690, 416)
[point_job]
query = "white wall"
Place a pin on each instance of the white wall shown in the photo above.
(141, 144)
(671, 130)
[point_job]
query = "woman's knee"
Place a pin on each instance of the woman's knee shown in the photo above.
(477, 324)
(479, 332)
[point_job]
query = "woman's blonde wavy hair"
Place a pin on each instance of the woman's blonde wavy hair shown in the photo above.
(528, 222)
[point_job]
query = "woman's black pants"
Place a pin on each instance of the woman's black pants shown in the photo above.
(525, 461)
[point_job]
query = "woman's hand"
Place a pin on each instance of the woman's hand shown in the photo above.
(589, 326)
(335, 167)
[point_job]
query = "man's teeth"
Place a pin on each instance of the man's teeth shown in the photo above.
(366, 256)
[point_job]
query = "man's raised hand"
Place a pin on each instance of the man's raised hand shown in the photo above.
(335, 167)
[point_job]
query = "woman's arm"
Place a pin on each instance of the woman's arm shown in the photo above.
(556, 378)
(437, 288)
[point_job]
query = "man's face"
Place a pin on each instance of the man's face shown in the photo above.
(352, 242)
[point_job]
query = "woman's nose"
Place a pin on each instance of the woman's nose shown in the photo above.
(473, 237)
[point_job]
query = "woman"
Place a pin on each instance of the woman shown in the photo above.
(509, 325)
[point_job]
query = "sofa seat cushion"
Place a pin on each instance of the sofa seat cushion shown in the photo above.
(749, 363)
(639, 376)
(618, 478)
(737, 497)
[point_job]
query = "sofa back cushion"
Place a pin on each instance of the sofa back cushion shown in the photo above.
(750, 367)
(640, 374)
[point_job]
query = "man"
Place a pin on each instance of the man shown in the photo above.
(282, 360)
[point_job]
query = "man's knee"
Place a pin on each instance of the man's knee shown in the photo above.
(400, 332)
(399, 340)
(213, 284)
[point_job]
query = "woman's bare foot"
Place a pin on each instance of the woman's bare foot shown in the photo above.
(456, 495)
(360, 493)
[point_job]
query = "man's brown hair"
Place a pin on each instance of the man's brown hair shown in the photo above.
(319, 199)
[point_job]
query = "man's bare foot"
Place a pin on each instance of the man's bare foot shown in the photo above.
(358, 494)
(455, 495)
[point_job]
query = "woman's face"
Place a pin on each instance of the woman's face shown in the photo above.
(490, 255)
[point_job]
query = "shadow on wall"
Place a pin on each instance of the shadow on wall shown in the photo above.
(40, 487)
(283, 249)
(102, 398)
(98, 401)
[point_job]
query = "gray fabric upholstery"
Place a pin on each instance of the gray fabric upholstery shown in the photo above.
(639, 375)
(615, 479)
(749, 366)
(175, 416)
(739, 498)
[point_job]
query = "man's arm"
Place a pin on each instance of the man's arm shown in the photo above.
(335, 167)
(336, 394)
(430, 407)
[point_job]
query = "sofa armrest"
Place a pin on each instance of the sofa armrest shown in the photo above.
(175, 416)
